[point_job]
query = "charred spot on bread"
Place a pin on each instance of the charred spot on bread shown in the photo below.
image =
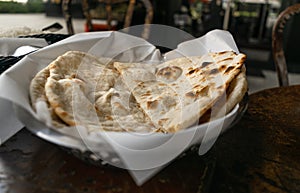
(230, 68)
(152, 104)
(204, 64)
(214, 71)
(169, 74)
(203, 92)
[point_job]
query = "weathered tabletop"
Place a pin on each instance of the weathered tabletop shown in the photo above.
(262, 152)
(259, 154)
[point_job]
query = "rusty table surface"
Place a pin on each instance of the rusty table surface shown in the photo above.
(261, 153)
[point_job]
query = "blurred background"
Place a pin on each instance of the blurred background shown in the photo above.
(249, 21)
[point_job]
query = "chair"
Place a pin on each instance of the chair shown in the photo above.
(277, 43)
(108, 8)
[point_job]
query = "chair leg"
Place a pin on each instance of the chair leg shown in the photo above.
(109, 15)
(148, 18)
(149, 10)
(129, 13)
(277, 43)
(86, 13)
(66, 4)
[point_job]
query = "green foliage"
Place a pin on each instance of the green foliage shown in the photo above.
(32, 6)
(35, 6)
(12, 7)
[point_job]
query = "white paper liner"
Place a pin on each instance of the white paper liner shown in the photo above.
(8, 46)
(143, 155)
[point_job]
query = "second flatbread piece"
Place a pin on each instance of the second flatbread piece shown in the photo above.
(176, 93)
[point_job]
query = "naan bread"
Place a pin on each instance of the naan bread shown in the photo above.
(176, 93)
(40, 102)
(236, 90)
(234, 94)
(100, 94)
(83, 91)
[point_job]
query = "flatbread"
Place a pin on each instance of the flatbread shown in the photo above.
(176, 93)
(40, 102)
(234, 94)
(236, 90)
(83, 91)
(100, 94)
